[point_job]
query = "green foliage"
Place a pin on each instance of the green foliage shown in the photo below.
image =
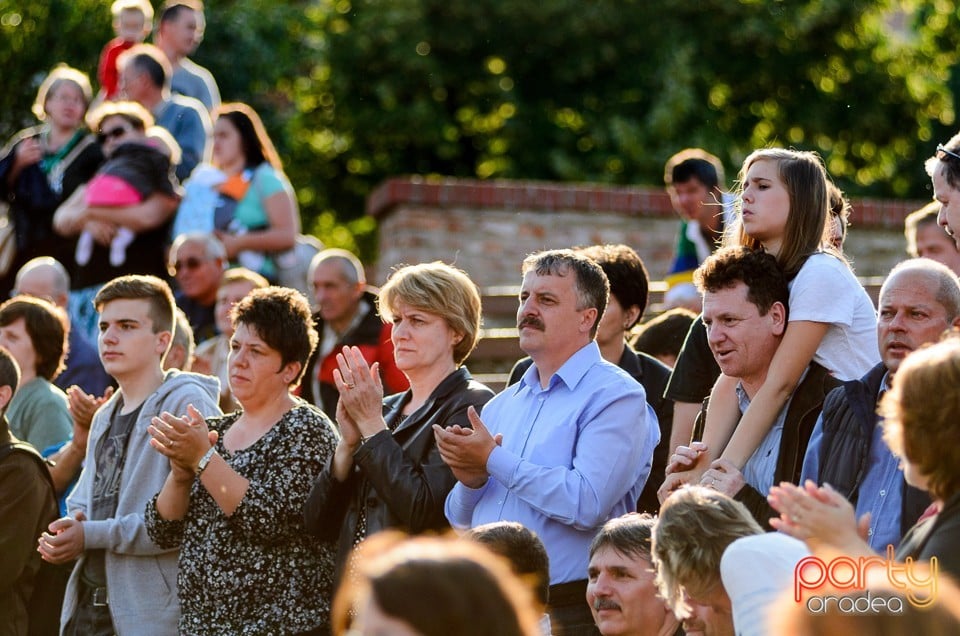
(607, 90)
(355, 91)
(35, 37)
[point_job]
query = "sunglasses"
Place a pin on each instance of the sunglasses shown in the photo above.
(943, 153)
(113, 133)
(190, 263)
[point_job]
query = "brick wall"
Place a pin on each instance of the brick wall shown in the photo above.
(487, 227)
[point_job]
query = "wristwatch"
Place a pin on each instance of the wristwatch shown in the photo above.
(205, 460)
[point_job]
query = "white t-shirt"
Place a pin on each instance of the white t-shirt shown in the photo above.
(757, 571)
(825, 290)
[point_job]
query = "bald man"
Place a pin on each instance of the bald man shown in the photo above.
(45, 277)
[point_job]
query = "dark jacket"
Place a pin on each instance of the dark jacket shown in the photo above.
(27, 506)
(936, 537)
(653, 375)
(398, 478)
(802, 415)
(35, 196)
(373, 338)
(849, 418)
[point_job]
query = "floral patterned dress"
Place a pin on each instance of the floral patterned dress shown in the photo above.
(257, 571)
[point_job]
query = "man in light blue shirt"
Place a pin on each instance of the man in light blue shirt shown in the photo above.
(919, 301)
(566, 448)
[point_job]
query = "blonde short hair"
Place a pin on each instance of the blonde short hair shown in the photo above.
(439, 289)
(695, 526)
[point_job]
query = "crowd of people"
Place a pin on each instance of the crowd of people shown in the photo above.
(192, 443)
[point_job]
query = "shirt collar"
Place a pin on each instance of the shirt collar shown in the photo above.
(570, 373)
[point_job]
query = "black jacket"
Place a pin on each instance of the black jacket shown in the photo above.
(398, 478)
(849, 418)
(802, 415)
(936, 537)
(653, 375)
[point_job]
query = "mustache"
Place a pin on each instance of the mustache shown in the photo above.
(531, 321)
(604, 604)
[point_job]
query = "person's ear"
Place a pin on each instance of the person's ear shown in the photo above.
(163, 341)
(290, 371)
(778, 315)
(630, 317)
(589, 319)
(6, 394)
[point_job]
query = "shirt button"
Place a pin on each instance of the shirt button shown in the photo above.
(870, 532)
(883, 493)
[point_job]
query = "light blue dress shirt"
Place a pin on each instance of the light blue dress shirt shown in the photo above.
(573, 456)
(760, 469)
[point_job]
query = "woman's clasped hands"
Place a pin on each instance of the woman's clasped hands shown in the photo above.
(184, 440)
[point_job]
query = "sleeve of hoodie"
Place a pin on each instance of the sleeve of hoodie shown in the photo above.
(127, 532)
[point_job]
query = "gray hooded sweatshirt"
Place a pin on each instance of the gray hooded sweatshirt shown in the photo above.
(141, 578)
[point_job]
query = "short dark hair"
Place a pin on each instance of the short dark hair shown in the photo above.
(138, 287)
(522, 548)
(46, 324)
(628, 534)
(9, 373)
(629, 281)
(949, 164)
(755, 268)
(281, 317)
(148, 59)
(694, 163)
(664, 335)
(590, 282)
(171, 9)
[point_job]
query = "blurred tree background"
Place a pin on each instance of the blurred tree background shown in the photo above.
(356, 91)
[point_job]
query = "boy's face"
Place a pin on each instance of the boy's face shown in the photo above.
(127, 344)
(130, 26)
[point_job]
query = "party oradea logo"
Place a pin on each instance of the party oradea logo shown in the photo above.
(865, 584)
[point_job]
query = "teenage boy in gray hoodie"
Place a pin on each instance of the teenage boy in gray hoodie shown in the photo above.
(122, 582)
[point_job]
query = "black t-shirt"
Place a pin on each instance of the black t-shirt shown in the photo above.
(696, 371)
(109, 456)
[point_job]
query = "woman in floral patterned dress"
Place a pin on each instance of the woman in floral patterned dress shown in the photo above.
(234, 499)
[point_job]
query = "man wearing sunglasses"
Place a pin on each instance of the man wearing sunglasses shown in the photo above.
(197, 262)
